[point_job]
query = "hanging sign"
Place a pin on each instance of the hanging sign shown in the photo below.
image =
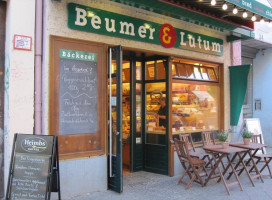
(98, 21)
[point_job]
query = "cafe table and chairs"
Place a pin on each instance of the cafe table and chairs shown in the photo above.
(251, 151)
(218, 153)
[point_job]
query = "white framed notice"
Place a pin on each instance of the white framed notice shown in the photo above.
(253, 125)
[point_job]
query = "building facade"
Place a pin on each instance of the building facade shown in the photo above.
(94, 72)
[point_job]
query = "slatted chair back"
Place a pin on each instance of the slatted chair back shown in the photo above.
(208, 138)
(182, 150)
(258, 139)
(188, 139)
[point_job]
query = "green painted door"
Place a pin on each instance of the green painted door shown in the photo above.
(115, 170)
(155, 130)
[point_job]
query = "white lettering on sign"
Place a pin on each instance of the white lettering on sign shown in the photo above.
(96, 22)
(112, 28)
(81, 17)
(127, 26)
(247, 4)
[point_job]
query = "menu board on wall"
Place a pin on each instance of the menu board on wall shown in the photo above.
(31, 168)
(77, 92)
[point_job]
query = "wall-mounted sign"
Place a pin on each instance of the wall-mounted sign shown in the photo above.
(22, 42)
(77, 92)
(98, 21)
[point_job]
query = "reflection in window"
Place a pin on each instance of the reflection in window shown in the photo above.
(197, 73)
(182, 70)
(204, 73)
(190, 72)
(212, 74)
(150, 70)
(160, 69)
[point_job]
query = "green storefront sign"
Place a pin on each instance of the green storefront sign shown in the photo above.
(78, 55)
(98, 21)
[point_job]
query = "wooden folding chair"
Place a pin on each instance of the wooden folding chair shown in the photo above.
(201, 155)
(191, 165)
(261, 158)
(208, 138)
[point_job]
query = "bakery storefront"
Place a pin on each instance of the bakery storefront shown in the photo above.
(110, 66)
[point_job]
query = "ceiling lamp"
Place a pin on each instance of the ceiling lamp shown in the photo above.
(235, 10)
(262, 20)
(213, 2)
(244, 14)
(253, 18)
(225, 6)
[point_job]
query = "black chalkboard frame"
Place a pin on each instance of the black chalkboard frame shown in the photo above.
(53, 178)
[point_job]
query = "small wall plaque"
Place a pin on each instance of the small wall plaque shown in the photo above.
(22, 42)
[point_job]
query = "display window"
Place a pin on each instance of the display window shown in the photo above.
(195, 104)
(194, 108)
(156, 113)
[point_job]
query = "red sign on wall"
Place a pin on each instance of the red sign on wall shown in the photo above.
(167, 35)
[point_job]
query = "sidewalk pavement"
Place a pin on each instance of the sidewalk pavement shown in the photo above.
(149, 186)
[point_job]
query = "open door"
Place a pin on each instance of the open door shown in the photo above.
(115, 169)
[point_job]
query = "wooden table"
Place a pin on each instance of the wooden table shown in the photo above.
(250, 147)
(218, 150)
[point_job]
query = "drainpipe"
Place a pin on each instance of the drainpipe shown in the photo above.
(38, 69)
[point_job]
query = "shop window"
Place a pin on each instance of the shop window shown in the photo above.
(155, 70)
(195, 71)
(204, 73)
(190, 72)
(182, 70)
(155, 127)
(194, 108)
(212, 74)
(138, 71)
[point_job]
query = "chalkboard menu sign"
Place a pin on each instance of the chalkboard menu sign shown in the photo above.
(33, 161)
(77, 92)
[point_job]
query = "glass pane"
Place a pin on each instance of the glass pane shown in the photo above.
(190, 72)
(212, 74)
(138, 71)
(138, 113)
(126, 71)
(204, 73)
(182, 70)
(150, 70)
(174, 71)
(156, 116)
(197, 73)
(160, 69)
(194, 108)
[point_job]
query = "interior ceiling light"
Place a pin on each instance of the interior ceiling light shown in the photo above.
(225, 6)
(213, 2)
(244, 14)
(262, 20)
(253, 18)
(235, 10)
